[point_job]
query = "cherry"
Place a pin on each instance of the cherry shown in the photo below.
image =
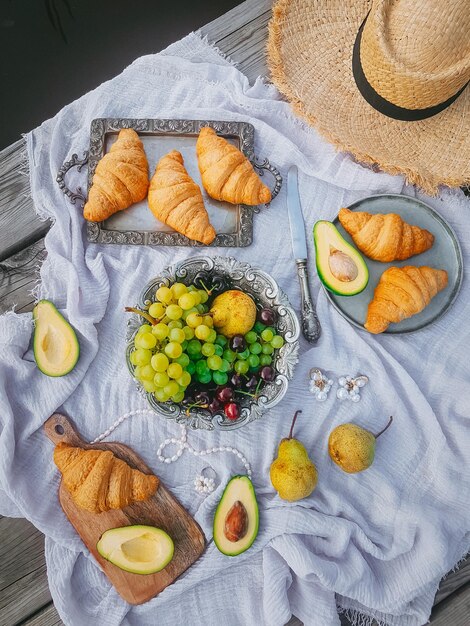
(237, 343)
(267, 373)
(252, 382)
(214, 406)
(232, 410)
(224, 394)
(236, 380)
(267, 316)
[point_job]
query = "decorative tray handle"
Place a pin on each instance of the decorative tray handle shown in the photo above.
(73, 196)
(265, 166)
(260, 166)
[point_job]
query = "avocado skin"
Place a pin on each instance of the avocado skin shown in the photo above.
(320, 273)
(37, 356)
(216, 529)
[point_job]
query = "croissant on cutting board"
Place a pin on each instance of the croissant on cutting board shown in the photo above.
(402, 292)
(120, 179)
(175, 199)
(226, 172)
(98, 481)
(385, 237)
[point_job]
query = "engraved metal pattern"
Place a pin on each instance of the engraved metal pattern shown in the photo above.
(265, 291)
(73, 196)
(311, 328)
(263, 166)
(97, 233)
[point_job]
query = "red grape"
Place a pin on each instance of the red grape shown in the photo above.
(267, 373)
(267, 316)
(251, 382)
(214, 406)
(224, 394)
(237, 343)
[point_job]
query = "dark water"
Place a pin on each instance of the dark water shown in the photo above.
(53, 51)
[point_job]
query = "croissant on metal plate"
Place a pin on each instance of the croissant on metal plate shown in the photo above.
(120, 179)
(175, 199)
(385, 237)
(402, 292)
(98, 481)
(226, 172)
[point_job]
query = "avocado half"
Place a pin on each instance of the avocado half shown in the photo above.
(137, 549)
(239, 495)
(55, 344)
(340, 267)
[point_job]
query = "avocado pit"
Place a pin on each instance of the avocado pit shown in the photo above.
(236, 522)
(342, 266)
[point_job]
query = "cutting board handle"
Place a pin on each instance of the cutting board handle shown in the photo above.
(59, 429)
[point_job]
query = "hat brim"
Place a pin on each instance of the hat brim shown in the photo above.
(310, 48)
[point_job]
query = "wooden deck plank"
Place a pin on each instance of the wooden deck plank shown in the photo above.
(235, 19)
(454, 610)
(247, 45)
(47, 616)
(18, 276)
(23, 579)
(19, 224)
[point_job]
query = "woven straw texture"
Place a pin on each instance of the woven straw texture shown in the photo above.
(310, 48)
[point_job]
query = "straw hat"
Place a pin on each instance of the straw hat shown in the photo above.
(382, 79)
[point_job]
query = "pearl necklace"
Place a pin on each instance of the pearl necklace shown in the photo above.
(201, 486)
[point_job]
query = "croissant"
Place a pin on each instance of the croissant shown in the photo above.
(402, 292)
(120, 179)
(226, 173)
(386, 237)
(175, 199)
(98, 481)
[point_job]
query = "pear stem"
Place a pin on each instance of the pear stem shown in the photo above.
(384, 429)
(292, 425)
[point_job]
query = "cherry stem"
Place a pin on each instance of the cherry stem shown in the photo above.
(384, 429)
(208, 291)
(147, 316)
(293, 423)
(204, 405)
(248, 393)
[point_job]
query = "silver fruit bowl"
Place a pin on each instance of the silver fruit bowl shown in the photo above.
(232, 274)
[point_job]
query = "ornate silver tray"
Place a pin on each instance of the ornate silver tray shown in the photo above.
(265, 291)
(137, 225)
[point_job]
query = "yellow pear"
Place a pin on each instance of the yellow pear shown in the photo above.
(293, 475)
(233, 313)
(352, 447)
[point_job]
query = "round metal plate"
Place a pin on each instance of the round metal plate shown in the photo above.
(445, 254)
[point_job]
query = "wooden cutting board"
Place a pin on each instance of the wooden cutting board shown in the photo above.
(162, 511)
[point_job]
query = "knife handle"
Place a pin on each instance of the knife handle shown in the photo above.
(310, 323)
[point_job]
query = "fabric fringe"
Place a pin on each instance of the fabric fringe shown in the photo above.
(359, 618)
(205, 40)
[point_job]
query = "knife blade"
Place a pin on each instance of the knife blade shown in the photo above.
(310, 324)
(296, 218)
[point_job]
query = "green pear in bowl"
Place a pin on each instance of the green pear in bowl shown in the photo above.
(293, 474)
(352, 447)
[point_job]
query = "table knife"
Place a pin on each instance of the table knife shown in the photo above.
(309, 320)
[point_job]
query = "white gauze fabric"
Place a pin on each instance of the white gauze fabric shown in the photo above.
(375, 543)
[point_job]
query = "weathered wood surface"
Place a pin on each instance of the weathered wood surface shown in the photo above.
(24, 594)
(23, 579)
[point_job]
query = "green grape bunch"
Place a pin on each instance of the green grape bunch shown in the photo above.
(177, 346)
